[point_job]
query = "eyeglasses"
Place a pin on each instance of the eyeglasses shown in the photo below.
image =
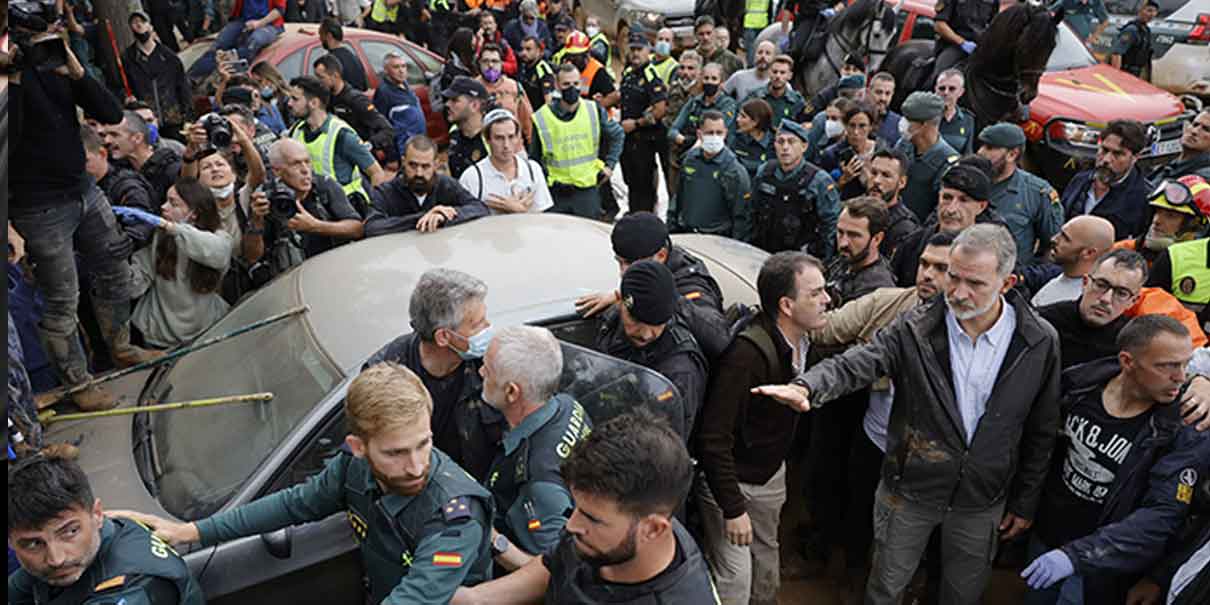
(1120, 295)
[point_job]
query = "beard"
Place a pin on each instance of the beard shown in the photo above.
(886, 196)
(1157, 240)
(399, 484)
(857, 258)
(1105, 175)
(623, 553)
(420, 185)
(966, 310)
(81, 565)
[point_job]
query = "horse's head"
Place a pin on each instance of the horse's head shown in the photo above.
(1015, 48)
(866, 27)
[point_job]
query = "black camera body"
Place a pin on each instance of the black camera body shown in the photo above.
(282, 205)
(28, 22)
(218, 130)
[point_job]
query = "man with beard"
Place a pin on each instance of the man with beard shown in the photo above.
(1124, 469)
(404, 498)
(859, 267)
(962, 203)
(1076, 249)
(1115, 188)
(1028, 204)
(880, 92)
(536, 76)
(130, 147)
(982, 349)
(1195, 151)
(521, 373)
(886, 176)
(645, 328)
(622, 543)
(786, 102)
(743, 82)
(419, 198)
(1172, 223)
(70, 552)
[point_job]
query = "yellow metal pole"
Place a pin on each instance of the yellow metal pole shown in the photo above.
(50, 416)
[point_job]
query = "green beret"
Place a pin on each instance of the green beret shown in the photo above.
(851, 82)
(1003, 134)
(923, 106)
(794, 128)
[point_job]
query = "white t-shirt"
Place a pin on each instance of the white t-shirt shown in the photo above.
(483, 180)
(1059, 289)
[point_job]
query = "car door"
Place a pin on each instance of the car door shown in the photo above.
(420, 68)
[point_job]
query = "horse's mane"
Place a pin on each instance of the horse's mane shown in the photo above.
(857, 15)
(1023, 25)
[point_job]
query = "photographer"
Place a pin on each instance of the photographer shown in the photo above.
(303, 204)
(208, 159)
(55, 206)
(242, 118)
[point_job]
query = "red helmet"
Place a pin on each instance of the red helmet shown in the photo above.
(1189, 194)
(577, 42)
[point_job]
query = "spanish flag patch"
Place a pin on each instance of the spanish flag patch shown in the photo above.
(534, 525)
(665, 396)
(693, 295)
(447, 559)
(113, 582)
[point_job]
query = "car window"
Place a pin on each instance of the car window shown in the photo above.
(292, 66)
(1069, 53)
(206, 455)
(575, 329)
(604, 385)
(376, 53)
(427, 62)
(1131, 7)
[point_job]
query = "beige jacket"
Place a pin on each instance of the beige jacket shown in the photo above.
(857, 321)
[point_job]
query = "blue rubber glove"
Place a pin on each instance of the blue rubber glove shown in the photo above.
(968, 47)
(128, 215)
(1048, 569)
(828, 13)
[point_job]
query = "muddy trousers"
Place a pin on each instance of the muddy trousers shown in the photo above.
(901, 531)
(744, 574)
(54, 234)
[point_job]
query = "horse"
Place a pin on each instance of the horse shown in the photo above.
(866, 27)
(1001, 75)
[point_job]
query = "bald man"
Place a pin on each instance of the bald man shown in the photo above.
(322, 214)
(744, 81)
(1075, 249)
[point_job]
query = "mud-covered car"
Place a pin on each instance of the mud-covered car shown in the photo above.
(189, 464)
(1180, 42)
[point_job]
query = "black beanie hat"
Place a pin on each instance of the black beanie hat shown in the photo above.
(638, 235)
(649, 292)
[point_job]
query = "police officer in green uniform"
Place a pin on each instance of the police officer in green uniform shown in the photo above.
(751, 137)
(644, 101)
(1028, 204)
(714, 194)
(71, 554)
(957, 125)
(520, 377)
(926, 150)
(336, 150)
(683, 133)
(421, 522)
(1132, 50)
(787, 104)
(795, 204)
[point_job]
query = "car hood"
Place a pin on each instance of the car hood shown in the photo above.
(1090, 93)
(664, 7)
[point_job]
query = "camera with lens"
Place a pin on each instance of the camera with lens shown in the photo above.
(218, 130)
(281, 196)
(29, 22)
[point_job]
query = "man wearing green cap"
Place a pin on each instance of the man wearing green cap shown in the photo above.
(926, 151)
(644, 328)
(1028, 204)
(795, 204)
(787, 104)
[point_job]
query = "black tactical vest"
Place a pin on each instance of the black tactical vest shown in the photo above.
(784, 211)
(1138, 57)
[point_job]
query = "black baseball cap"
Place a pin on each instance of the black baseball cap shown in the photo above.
(463, 85)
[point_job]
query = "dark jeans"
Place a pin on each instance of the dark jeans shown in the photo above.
(865, 470)
(54, 234)
(234, 36)
(638, 170)
(828, 461)
(948, 56)
(580, 202)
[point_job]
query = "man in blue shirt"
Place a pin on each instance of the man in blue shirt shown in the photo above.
(253, 25)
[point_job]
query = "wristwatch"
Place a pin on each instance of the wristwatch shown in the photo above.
(500, 545)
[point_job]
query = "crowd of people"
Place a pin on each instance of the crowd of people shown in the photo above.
(988, 358)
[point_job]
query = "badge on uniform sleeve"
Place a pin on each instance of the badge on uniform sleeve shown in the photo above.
(1054, 195)
(534, 525)
(1184, 488)
(447, 559)
(113, 582)
(457, 509)
(1187, 285)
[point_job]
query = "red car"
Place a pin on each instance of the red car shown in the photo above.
(298, 47)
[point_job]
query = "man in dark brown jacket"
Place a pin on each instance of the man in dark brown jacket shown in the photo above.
(973, 419)
(743, 439)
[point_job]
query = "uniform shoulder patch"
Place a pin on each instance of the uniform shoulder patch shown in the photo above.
(447, 559)
(1184, 487)
(457, 509)
(952, 159)
(113, 582)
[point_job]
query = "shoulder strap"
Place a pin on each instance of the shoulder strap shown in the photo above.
(479, 173)
(763, 342)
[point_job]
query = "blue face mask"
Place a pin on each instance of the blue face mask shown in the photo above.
(266, 92)
(476, 345)
(154, 131)
(663, 48)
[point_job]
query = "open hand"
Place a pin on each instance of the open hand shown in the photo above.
(793, 395)
(591, 304)
(175, 533)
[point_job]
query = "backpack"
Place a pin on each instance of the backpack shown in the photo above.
(479, 174)
(741, 319)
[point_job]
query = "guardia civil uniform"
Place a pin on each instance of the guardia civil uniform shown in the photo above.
(713, 195)
(795, 210)
(924, 169)
(789, 106)
(1030, 207)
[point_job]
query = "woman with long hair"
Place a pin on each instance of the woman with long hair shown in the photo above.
(181, 271)
(273, 87)
(459, 61)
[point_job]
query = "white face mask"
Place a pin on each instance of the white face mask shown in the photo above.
(592, 30)
(832, 128)
(222, 193)
(713, 143)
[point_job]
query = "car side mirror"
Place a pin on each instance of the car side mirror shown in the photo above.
(278, 543)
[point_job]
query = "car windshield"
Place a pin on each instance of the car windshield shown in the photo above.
(205, 455)
(1069, 53)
